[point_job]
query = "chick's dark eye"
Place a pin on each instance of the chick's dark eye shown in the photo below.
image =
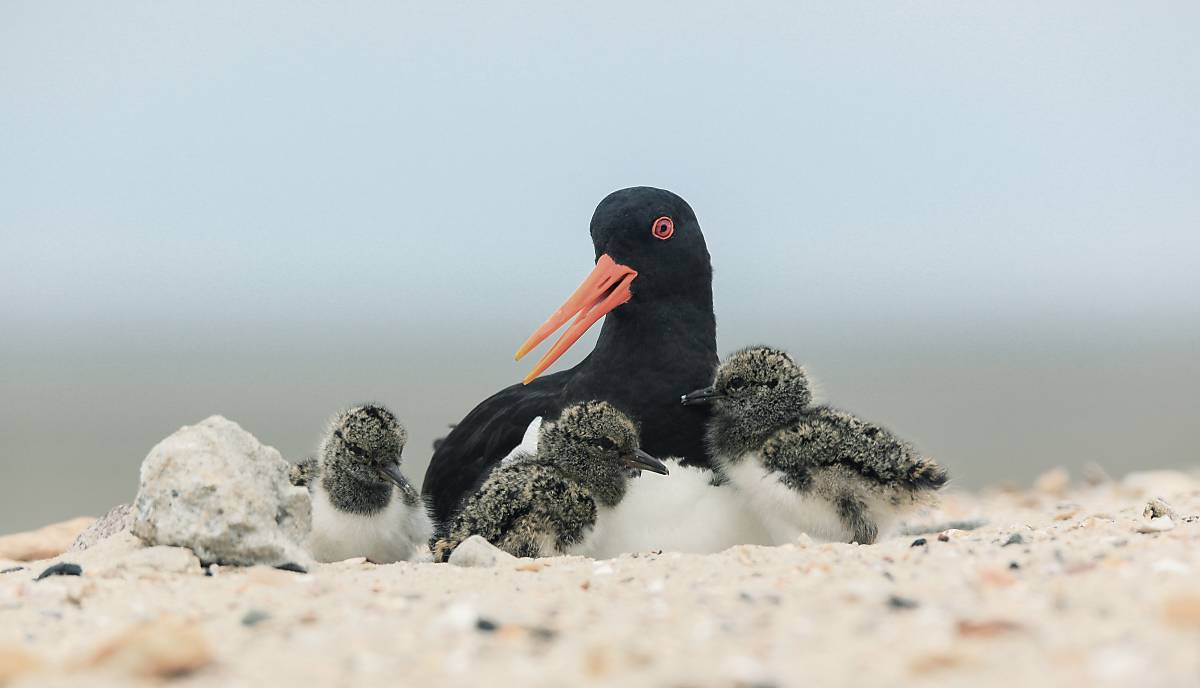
(772, 383)
(606, 444)
(663, 228)
(737, 382)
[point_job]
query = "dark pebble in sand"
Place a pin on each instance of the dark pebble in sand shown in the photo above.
(1013, 565)
(61, 569)
(13, 569)
(897, 602)
(486, 625)
(254, 617)
(919, 542)
(942, 537)
(1014, 539)
(293, 567)
(543, 633)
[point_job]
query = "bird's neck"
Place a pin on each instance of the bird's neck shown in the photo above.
(646, 357)
(652, 335)
(352, 495)
(730, 436)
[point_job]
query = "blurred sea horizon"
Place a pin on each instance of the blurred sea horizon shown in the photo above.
(995, 407)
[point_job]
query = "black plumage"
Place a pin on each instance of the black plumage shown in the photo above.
(660, 342)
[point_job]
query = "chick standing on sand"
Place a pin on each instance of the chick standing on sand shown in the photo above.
(807, 469)
(554, 502)
(362, 506)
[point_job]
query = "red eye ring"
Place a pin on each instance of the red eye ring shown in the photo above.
(663, 228)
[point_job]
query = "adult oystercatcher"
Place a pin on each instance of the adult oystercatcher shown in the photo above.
(653, 280)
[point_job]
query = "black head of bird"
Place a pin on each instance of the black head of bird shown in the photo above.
(596, 445)
(364, 443)
(649, 252)
(759, 386)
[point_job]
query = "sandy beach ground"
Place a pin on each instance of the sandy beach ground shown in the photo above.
(1064, 585)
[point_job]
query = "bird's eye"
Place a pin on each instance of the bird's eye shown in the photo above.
(606, 444)
(737, 383)
(663, 228)
(772, 383)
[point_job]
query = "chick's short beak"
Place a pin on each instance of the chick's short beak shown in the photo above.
(644, 462)
(700, 396)
(391, 471)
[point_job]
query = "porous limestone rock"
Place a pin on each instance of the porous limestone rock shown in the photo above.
(215, 489)
(477, 552)
(118, 519)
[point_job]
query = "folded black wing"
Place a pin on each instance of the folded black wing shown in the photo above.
(462, 460)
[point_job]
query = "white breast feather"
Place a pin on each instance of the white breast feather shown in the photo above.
(398, 533)
(680, 512)
(785, 512)
(528, 445)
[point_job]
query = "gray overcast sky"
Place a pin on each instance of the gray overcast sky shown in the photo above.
(243, 182)
(238, 158)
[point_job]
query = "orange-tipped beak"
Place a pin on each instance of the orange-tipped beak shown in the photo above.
(603, 290)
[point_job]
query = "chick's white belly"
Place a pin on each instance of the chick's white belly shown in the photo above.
(680, 512)
(786, 513)
(397, 533)
(587, 544)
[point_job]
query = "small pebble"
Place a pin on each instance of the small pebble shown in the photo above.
(293, 567)
(254, 617)
(542, 633)
(486, 625)
(943, 537)
(1013, 565)
(1157, 508)
(919, 542)
(61, 569)
(1014, 539)
(1160, 524)
(897, 602)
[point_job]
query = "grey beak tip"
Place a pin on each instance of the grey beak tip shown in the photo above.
(392, 472)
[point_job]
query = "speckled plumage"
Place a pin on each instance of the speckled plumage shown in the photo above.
(808, 468)
(548, 504)
(362, 504)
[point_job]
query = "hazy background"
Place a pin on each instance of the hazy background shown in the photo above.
(978, 224)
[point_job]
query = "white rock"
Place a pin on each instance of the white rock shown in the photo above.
(213, 488)
(477, 552)
(1157, 508)
(1156, 525)
(118, 519)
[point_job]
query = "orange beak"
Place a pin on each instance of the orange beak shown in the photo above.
(603, 290)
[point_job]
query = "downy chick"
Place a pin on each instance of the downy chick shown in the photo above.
(362, 505)
(692, 510)
(553, 502)
(802, 468)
